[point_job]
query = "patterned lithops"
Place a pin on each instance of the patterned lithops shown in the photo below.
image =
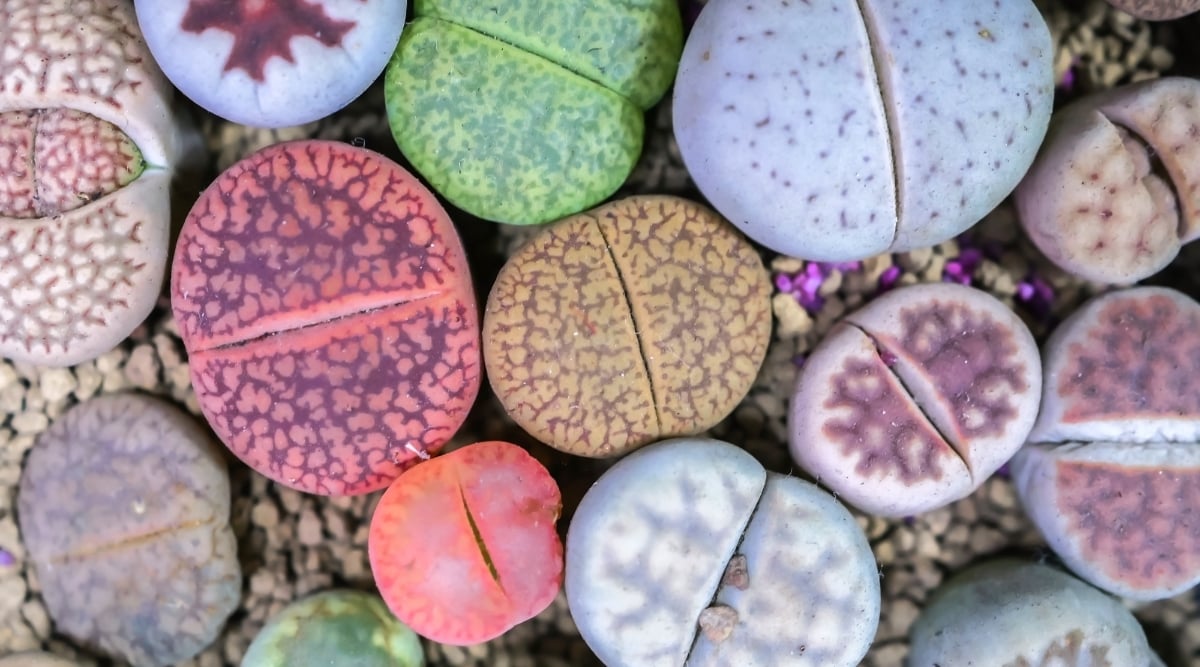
(1157, 10)
(688, 552)
(836, 130)
(90, 146)
(1115, 190)
(1111, 475)
(912, 401)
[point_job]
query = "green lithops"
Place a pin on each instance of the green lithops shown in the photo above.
(525, 112)
(347, 628)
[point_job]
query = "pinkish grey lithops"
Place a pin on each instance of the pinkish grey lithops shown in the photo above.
(912, 401)
(1111, 476)
(1011, 613)
(688, 552)
(835, 130)
(123, 507)
(1157, 10)
(272, 63)
(89, 146)
(1115, 190)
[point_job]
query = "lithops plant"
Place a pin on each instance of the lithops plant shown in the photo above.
(272, 63)
(1115, 190)
(36, 659)
(645, 318)
(328, 312)
(688, 552)
(1012, 613)
(527, 111)
(1111, 476)
(835, 130)
(914, 400)
(464, 546)
(336, 627)
(89, 145)
(1157, 10)
(123, 507)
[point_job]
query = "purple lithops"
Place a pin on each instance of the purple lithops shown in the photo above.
(1111, 476)
(689, 552)
(914, 400)
(1157, 10)
(836, 130)
(1115, 189)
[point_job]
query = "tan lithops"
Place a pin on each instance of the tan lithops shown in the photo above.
(644, 318)
(88, 144)
(35, 659)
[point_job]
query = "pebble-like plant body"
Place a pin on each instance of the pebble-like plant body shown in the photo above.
(1157, 10)
(644, 318)
(337, 627)
(1111, 476)
(688, 552)
(89, 144)
(835, 130)
(124, 510)
(464, 546)
(34, 659)
(914, 400)
(327, 308)
(272, 63)
(527, 111)
(1115, 190)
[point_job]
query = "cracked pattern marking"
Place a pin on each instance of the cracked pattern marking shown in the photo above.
(1070, 650)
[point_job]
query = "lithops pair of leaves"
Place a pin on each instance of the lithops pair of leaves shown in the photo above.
(1112, 473)
(835, 130)
(272, 63)
(912, 401)
(90, 145)
(1115, 190)
(688, 552)
(527, 111)
(1157, 10)
(327, 308)
(464, 546)
(645, 318)
(124, 510)
(1011, 613)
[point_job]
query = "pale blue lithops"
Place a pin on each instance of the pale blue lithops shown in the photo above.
(1012, 613)
(836, 130)
(272, 63)
(688, 552)
(336, 627)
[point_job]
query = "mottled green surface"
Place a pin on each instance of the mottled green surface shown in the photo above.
(503, 134)
(342, 627)
(629, 46)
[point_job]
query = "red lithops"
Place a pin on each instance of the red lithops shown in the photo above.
(327, 308)
(463, 547)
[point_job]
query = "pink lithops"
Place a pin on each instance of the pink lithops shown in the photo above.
(272, 63)
(914, 400)
(465, 546)
(1111, 475)
(1115, 190)
(836, 130)
(1157, 10)
(688, 552)
(89, 145)
(327, 308)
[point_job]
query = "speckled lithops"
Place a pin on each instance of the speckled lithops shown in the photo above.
(90, 145)
(123, 507)
(644, 318)
(1111, 475)
(527, 111)
(1115, 190)
(1010, 613)
(912, 401)
(327, 308)
(1157, 10)
(688, 552)
(272, 63)
(836, 130)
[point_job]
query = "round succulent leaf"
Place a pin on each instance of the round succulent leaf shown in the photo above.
(1157, 10)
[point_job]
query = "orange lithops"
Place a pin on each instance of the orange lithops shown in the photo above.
(463, 547)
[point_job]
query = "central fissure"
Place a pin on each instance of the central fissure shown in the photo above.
(130, 542)
(882, 72)
(483, 550)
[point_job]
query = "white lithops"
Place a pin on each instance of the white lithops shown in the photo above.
(835, 130)
(688, 552)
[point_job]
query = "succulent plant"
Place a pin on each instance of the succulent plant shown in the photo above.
(272, 63)
(1157, 10)
(35, 659)
(328, 312)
